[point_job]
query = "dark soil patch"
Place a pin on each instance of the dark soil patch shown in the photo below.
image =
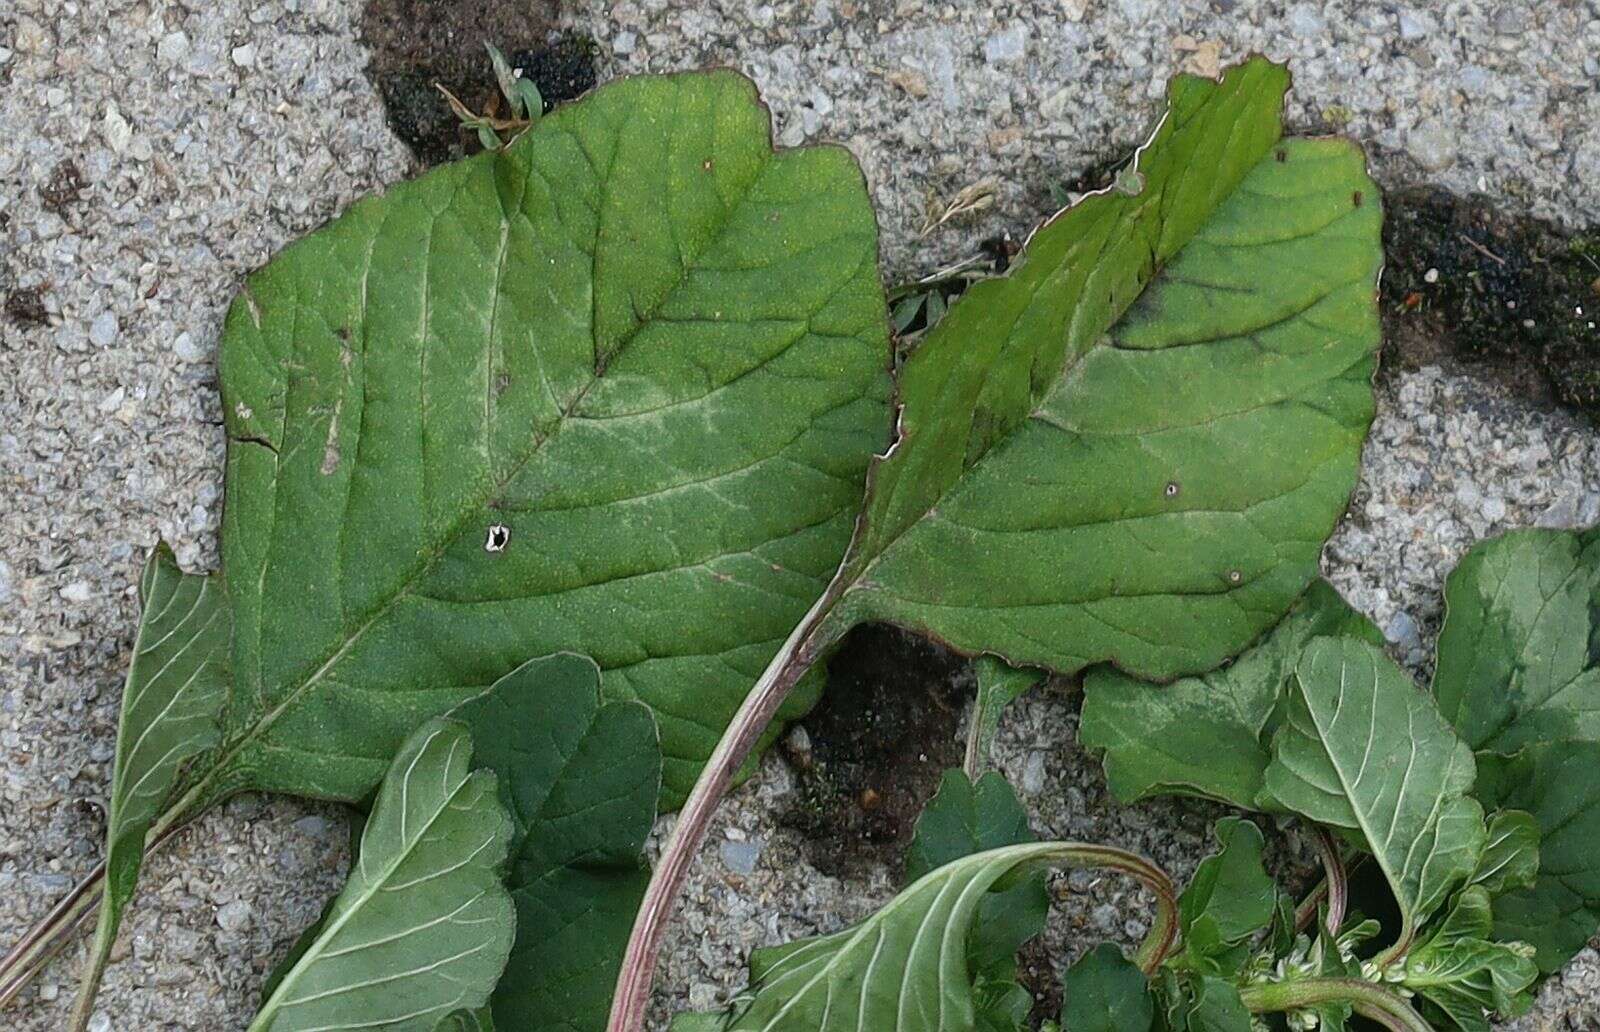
(1514, 298)
(64, 187)
(25, 307)
(417, 43)
(875, 748)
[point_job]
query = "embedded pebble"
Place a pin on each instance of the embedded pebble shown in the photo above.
(234, 917)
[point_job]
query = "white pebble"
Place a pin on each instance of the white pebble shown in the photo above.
(103, 331)
(78, 592)
(234, 917)
(185, 347)
(173, 48)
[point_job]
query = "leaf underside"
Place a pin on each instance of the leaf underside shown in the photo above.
(1132, 447)
(1208, 736)
(580, 780)
(904, 969)
(176, 685)
(1362, 748)
(423, 926)
(612, 390)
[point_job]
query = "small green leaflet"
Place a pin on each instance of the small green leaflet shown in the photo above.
(176, 685)
(1519, 653)
(1471, 979)
(1228, 900)
(1204, 1004)
(1208, 736)
(960, 820)
(1362, 749)
(1510, 857)
(1106, 992)
(1132, 446)
(1559, 783)
(423, 926)
(964, 818)
(580, 779)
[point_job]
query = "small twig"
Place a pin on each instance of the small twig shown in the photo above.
(969, 199)
(1483, 250)
(470, 117)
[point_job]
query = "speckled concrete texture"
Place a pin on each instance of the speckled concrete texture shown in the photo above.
(202, 137)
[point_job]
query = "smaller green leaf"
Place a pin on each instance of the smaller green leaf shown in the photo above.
(962, 819)
(581, 781)
(1471, 916)
(1208, 736)
(1229, 899)
(1559, 783)
(1511, 854)
(172, 699)
(423, 926)
(1215, 1007)
(1362, 749)
(527, 92)
(1471, 979)
(999, 685)
(1519, 652)
(506, 78)
(1106, 992)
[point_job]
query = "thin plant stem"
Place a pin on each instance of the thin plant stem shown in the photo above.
(814, 634)
(51, 934)
(1334, 876)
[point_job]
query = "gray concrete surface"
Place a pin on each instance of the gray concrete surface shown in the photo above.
(211, 133)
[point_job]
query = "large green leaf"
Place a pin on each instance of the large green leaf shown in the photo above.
(580, 779)
(1559, 783)
(1519, 653)
(613, 390)
(176, 685)
(1362, 748)
(423, 926)
(1208, 736)
(1132, 446)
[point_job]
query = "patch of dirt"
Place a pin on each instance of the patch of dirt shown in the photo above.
(64, 187)
(417, 43)
(870, 756)
(25, 307)
(1515, 299)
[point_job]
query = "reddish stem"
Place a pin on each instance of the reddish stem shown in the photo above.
(805, 644)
